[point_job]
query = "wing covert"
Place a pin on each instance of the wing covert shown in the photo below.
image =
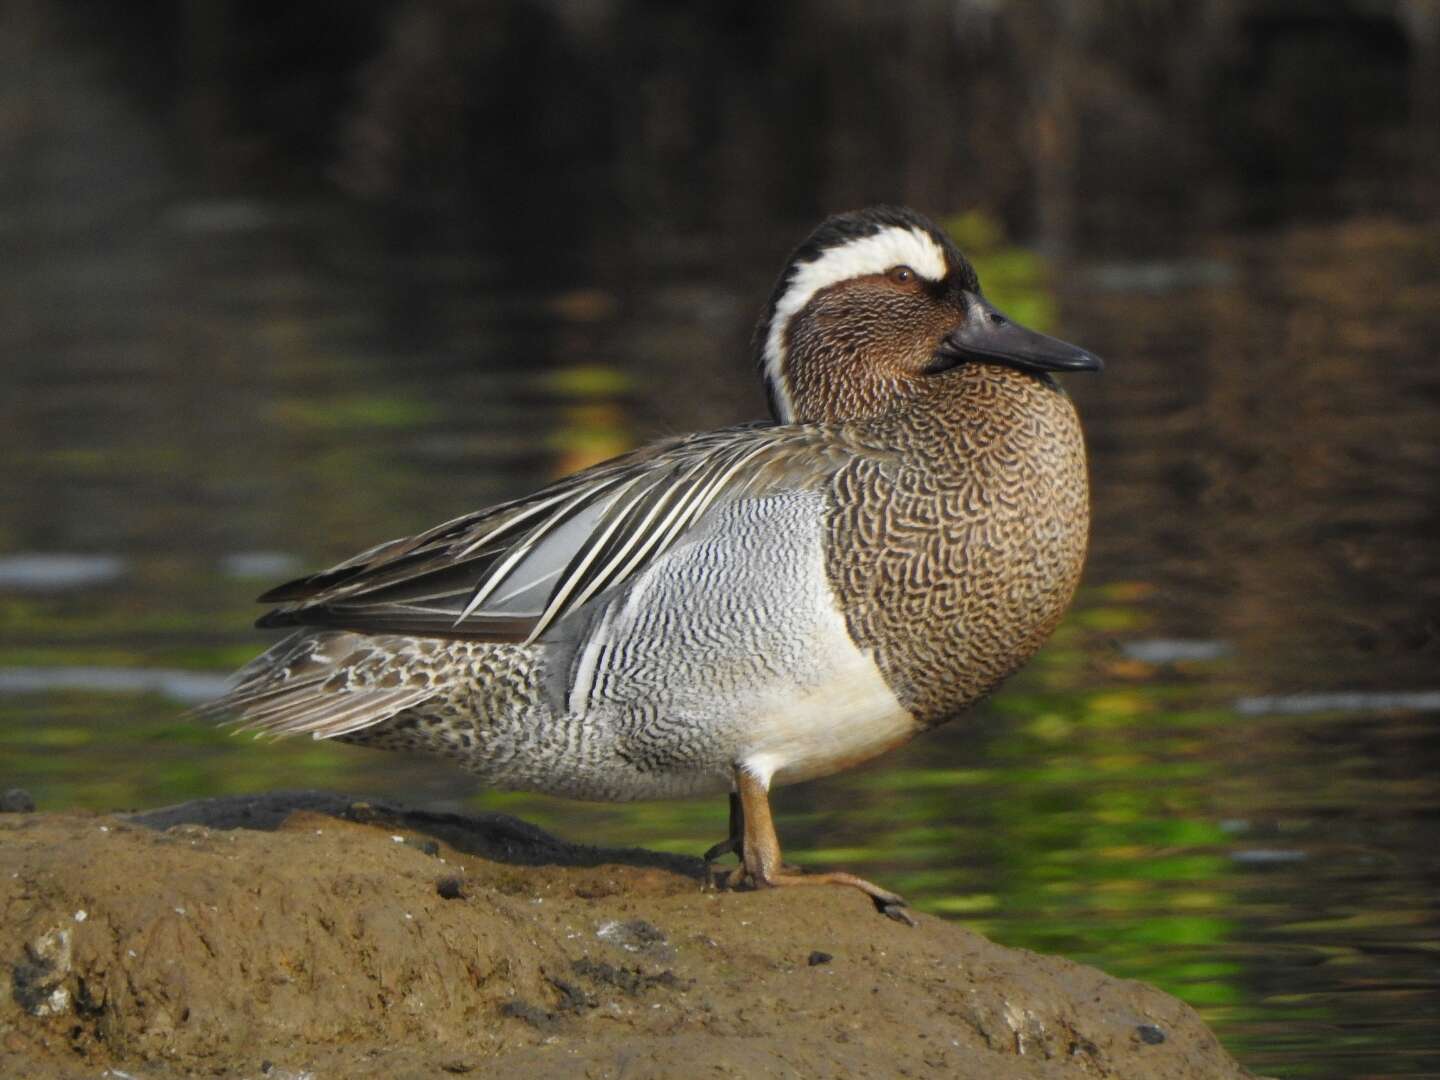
(511, 572)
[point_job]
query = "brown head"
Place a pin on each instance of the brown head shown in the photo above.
(875, 306)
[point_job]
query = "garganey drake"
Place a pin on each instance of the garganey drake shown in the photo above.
(741, 608)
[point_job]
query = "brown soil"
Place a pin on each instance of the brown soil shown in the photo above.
(309, 935)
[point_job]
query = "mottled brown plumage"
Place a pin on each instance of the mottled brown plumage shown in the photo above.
(956, 565)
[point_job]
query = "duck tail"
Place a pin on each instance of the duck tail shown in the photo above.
(324, 683)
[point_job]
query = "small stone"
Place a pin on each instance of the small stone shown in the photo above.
(1150, 1034)
(450, 888)
(632, 980)
(573, 998)
(533, 1015)
(817, 958)
(631, 935)
(17, 801)
(36, 982)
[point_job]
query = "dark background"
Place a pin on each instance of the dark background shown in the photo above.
(1074, 121)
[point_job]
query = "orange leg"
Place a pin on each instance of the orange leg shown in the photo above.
(759, 850)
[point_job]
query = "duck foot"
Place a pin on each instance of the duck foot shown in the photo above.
(891, 905)
(753, 839)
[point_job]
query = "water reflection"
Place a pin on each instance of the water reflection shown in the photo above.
(51, 571)
(1172, 650)
(185, 687)
(1221, 776)
(1352, 703)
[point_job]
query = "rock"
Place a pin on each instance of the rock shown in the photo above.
(38, 981)
(332, 938)
(17, 801)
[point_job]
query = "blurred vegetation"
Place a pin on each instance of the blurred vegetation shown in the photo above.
(629, 114)
(1014, 278)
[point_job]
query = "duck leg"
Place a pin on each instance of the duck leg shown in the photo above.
(759, 849)
(735, 842)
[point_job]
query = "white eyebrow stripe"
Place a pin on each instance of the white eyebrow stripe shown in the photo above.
(894, 245)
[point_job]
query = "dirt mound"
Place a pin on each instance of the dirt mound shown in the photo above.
(310, 935)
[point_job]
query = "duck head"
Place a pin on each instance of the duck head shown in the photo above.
(873, 307)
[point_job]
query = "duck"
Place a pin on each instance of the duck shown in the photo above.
(733, 610)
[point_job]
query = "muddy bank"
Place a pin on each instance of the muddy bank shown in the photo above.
(311, 934)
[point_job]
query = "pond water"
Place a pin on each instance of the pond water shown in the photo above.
(1223, 775)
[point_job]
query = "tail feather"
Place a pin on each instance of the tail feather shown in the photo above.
(322, 683)
(257, 701)
(323, 717)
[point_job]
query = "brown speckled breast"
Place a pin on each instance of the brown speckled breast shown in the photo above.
(954, 565)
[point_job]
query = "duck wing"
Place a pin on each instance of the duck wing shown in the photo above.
(511, 572)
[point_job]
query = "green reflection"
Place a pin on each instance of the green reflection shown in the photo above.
(1013, 278)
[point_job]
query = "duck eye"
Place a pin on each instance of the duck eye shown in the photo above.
(901, 275)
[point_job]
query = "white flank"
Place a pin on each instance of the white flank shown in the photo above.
(846, 717)
(735, 646)
(874, 254)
